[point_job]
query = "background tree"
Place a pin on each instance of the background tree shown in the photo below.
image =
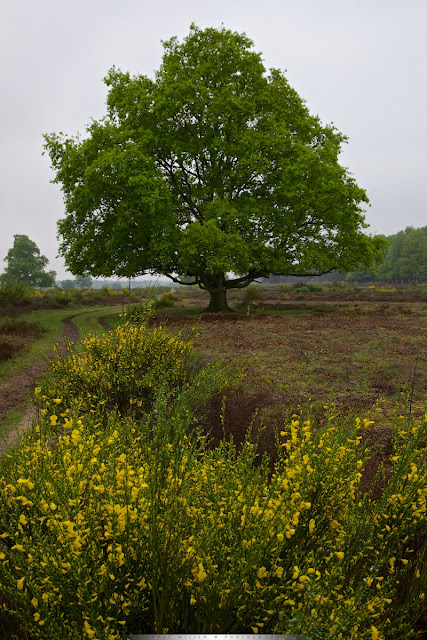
(83, 282)
(79, 282)
(25, 264)
(387, 270)
(412, 262)
(361, 275)
(214, 173)
(405, 259)
(68, 284)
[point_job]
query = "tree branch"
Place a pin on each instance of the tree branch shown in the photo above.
(241, 283)
(188, 284)
(307, 275)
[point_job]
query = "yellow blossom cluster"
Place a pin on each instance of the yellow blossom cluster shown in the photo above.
(124, 369)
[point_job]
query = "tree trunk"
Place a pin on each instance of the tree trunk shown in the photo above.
(218, 301)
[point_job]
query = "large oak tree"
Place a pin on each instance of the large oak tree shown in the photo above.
(213, 173)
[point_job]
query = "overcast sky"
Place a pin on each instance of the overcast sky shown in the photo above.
(361, 64)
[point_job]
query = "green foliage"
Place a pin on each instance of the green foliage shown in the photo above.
(165, 300)
(63, 297)
(138, 313)
(405, 259)
(342, 286)
(79, 282)
(299, 287)
(412, 262)
(388, 269)
(308, 288)
(284, 288)
(240, 178)
(26, 265)
(362, 275)
(252, 294)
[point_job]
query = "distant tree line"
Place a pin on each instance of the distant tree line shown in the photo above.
(405, 259)
(79, 282)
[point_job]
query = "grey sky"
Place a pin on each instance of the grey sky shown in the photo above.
(361, 64)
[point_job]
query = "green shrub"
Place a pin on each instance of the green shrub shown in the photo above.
(138, 313)
(343, 286)
(103, 293)
(299, 287)
(63, 297)
(253, 293)
(308, 288)
(165, 300)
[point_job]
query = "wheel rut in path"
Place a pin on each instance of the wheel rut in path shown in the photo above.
(15, 392)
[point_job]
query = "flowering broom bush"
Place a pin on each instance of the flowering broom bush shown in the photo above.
(113, 524)
(124, 370)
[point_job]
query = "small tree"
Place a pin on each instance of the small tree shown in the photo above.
(214, 168)
(25, 264)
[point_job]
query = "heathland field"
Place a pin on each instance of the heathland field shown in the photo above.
(139, 500)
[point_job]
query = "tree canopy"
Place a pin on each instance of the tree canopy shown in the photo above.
(25, 264)
(213, 173)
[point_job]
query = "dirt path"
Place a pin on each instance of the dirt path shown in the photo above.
(102, 320)
(15, 392)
